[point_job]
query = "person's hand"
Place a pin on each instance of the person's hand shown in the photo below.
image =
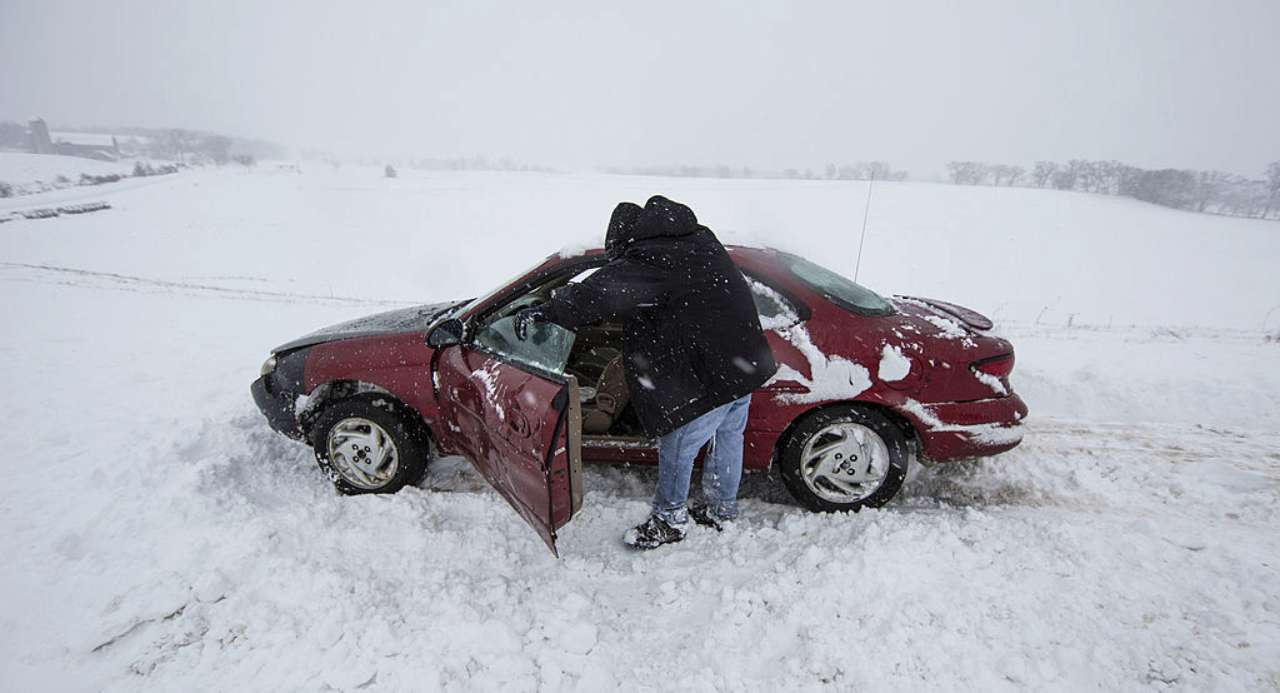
(524, 319)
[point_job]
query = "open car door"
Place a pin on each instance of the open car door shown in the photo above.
(517, 417)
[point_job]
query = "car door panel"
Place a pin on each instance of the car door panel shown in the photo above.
(518, 428)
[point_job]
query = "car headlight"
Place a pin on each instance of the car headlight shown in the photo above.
(269, 365)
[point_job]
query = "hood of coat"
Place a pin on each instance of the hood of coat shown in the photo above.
(659, 218)
(622, 226)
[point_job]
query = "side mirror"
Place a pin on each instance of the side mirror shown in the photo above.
(447, 333)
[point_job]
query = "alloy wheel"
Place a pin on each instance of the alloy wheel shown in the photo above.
(363, 453)
(844, 462)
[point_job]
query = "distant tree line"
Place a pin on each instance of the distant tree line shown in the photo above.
(144, 170)
(195, 147)
(174, 144)
(475, 163)
(1197, 191)
(862, 170)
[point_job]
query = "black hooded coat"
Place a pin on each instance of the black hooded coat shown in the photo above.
(692, 336)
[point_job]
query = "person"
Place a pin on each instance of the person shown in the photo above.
(693, 352)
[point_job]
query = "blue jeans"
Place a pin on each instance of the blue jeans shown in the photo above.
(721, 470)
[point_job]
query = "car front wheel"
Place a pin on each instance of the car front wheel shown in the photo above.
(365, 445)
(844, 458)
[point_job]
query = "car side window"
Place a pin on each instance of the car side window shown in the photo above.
(546, 349)
(775, 311)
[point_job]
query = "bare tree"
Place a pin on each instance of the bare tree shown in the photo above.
(1088, 175)
(1273, 186)
(1043, 173)
(1114, 175)
(1067, 177)
(1016, 174)
(178, 143)
(1208, 188)
(879, 170)
(966, 172)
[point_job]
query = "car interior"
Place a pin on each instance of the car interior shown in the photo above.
(594, 358)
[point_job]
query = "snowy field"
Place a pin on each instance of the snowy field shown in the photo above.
(33, 173)
(159, 536)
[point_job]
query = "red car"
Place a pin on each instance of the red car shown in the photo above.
(864, 382)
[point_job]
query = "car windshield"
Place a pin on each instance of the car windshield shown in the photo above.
(837, 289)
(467, 306)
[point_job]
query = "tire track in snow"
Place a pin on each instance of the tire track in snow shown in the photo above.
(88, 279)
(1132, 469)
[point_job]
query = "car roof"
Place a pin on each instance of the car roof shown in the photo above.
(571, 252)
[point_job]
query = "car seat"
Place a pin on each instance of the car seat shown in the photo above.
(611, 396)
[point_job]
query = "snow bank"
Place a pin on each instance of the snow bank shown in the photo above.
(31, 173)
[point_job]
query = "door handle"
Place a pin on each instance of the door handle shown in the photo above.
(519, 424)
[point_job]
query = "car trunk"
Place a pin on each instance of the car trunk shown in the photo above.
(955, 338)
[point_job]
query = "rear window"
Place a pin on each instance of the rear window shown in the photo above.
(837, 289)
(776, 312)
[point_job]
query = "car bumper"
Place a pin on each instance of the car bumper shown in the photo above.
(277, 405)
(958, 430)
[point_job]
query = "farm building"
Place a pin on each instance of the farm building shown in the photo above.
(89, 145)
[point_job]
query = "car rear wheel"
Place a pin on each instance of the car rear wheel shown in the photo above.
(367, 444)
(844, 458)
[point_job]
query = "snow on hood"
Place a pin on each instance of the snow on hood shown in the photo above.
(834, 378)
(390, 322)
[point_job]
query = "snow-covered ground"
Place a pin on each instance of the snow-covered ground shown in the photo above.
(32, 173)
(158, 536)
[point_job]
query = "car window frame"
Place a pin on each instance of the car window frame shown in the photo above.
(502, 296)
(540, 274)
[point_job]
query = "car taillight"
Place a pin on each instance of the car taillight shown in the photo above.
(998, 366)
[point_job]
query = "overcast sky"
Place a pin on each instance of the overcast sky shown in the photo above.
(1187, 84)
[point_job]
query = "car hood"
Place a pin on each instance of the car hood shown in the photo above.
(391, 322)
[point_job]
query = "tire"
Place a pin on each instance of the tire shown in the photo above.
(349, 435)
(850, 475)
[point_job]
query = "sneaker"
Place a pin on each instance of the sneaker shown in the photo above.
(652, 533)
(701, 514)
